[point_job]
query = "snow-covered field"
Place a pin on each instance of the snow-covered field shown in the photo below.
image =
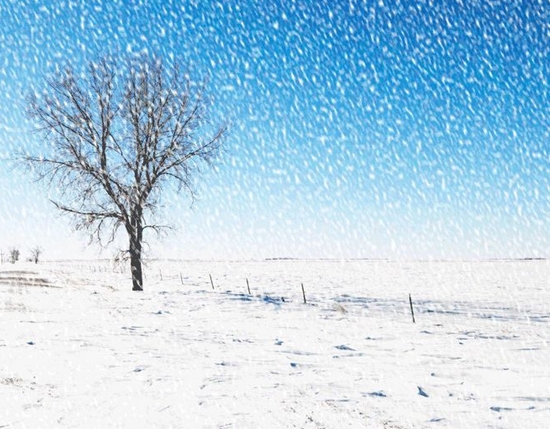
(79, 349)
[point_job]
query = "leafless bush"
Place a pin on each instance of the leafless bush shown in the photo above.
(35, 254)
(14, 255)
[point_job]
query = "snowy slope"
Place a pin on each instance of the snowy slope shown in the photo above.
(78, 349)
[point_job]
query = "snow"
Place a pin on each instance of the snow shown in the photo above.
(79, 349)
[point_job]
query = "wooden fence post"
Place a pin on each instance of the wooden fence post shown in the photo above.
(211, 281)
(412, 310)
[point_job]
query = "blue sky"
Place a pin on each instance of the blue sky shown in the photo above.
(391, 129)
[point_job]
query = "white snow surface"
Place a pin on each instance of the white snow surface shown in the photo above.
(79, 349)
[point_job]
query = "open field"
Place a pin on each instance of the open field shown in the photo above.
(79, 349)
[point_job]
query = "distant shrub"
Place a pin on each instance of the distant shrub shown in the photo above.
(35, 254)
(14, 255)
(120, 260)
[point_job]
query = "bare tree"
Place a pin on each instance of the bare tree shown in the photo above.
(35, 254)
(14, 255)
(119, 134)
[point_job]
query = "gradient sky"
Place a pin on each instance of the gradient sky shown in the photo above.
(387, 129)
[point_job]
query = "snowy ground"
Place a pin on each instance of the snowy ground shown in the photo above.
(78, 349)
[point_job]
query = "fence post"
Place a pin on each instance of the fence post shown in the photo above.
(412, 310)
(211, 281)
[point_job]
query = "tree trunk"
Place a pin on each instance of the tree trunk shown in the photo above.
(135, 264)
(136, 235)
